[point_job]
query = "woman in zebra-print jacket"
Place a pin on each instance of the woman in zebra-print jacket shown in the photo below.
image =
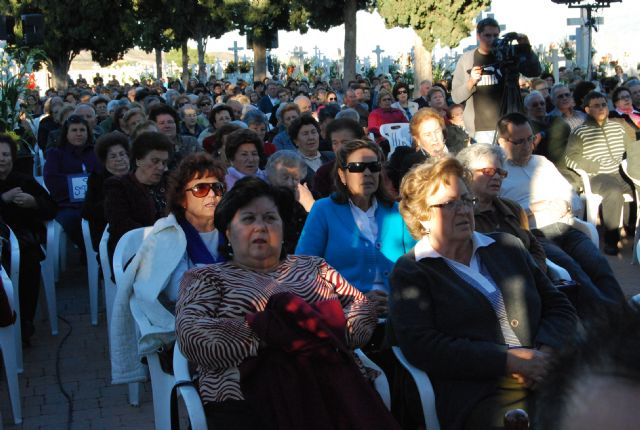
(216, 304)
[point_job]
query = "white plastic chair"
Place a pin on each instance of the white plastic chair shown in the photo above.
(634, 256)
(92, 271)
(592, 200)
(425, 390)
(187, 390)
(397, 134)
(380, 383)
(587, 228)
(109, 297)
(8, 348)
(14, 275)
(48, 266)
(161, 383)
(109, 286)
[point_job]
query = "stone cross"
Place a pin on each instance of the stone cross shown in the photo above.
(367, 64)
(378, 51)
(316, 52)
(235, 50)
(299, 54)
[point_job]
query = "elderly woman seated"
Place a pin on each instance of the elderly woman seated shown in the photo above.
(286, 169)
(474, 311)
(272, 335)
(358, 229)
(428, 141)
(305, 134)
(243, 150)
(112, 150)
(494, 213)
(138, 198)
(186, 238)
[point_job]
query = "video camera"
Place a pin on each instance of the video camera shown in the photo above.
(505, 50)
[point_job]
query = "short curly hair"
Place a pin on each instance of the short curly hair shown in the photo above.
(422, 182)
(194, 166)
(108, 141)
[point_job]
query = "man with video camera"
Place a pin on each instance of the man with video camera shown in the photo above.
(487, 78)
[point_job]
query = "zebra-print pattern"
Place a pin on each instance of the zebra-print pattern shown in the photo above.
(214, 300)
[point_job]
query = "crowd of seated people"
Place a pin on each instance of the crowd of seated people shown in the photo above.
(285, 194)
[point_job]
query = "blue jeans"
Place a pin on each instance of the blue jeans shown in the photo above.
(574, 251)
(70, 220)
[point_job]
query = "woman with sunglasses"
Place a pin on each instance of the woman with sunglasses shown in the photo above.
(493, 213)
(184, 239)
(358, 230)
(385, 113)
(68, 164)
(474, 311)
(401, 94)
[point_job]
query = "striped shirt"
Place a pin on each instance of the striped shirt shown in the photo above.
(596, 149)
(214, 300)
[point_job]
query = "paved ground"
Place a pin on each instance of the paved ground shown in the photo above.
(80, 351)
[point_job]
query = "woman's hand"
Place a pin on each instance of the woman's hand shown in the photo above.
(305, 198)
(8, 196)
(25, 200)
(527, 366)
(380, 300)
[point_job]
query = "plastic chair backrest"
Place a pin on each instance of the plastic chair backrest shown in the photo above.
(92, 271)
(126, 248)
(397, 134)
(15, 258)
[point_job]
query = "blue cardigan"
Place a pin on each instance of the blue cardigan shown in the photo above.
(331, 232)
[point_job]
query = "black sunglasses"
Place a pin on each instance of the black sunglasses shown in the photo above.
(373, 166)
(202, 189)
(205, 104)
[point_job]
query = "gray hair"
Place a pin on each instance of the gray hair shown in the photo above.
(555, 88)
(254, 116)
(530, 96)
(287, 158)
(349, 113)
(480, 151)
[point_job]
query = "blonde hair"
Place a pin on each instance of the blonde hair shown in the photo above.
(422, 182)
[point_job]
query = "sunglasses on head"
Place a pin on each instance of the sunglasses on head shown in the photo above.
(373, 166)
(492, 171)
(202, 189)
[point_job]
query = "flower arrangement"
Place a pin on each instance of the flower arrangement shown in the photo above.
(15, 81)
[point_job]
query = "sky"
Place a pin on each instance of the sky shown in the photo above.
(542, 20)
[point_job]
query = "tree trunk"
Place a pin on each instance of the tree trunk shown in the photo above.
(350, 30)
(422, 66)
(259, 59)
(158, 63)
(202, 73)
(185, 64)
(60, 70)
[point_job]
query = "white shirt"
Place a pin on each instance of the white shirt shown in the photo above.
(172, 290)
(366, 223)
(537, 182)
(314, 162)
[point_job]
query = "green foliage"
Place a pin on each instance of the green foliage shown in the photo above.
(324, 14)
(444, 21)
(232, 67)
(175, 55)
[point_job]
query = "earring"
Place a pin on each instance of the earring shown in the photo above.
(229, 249)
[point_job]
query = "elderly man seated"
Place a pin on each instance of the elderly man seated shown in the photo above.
(597, 147)
(564, 103)
(548, 199)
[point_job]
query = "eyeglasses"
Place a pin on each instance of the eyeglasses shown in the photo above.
(522, 141)
(492, 171)
(202, 189)
(563, 96)
(598, 106)
(538, 104)
(359, 167)
(332, 99)
(402, 92)
(624, 97)
(454, 205)
(205, 104)
(182, 104)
